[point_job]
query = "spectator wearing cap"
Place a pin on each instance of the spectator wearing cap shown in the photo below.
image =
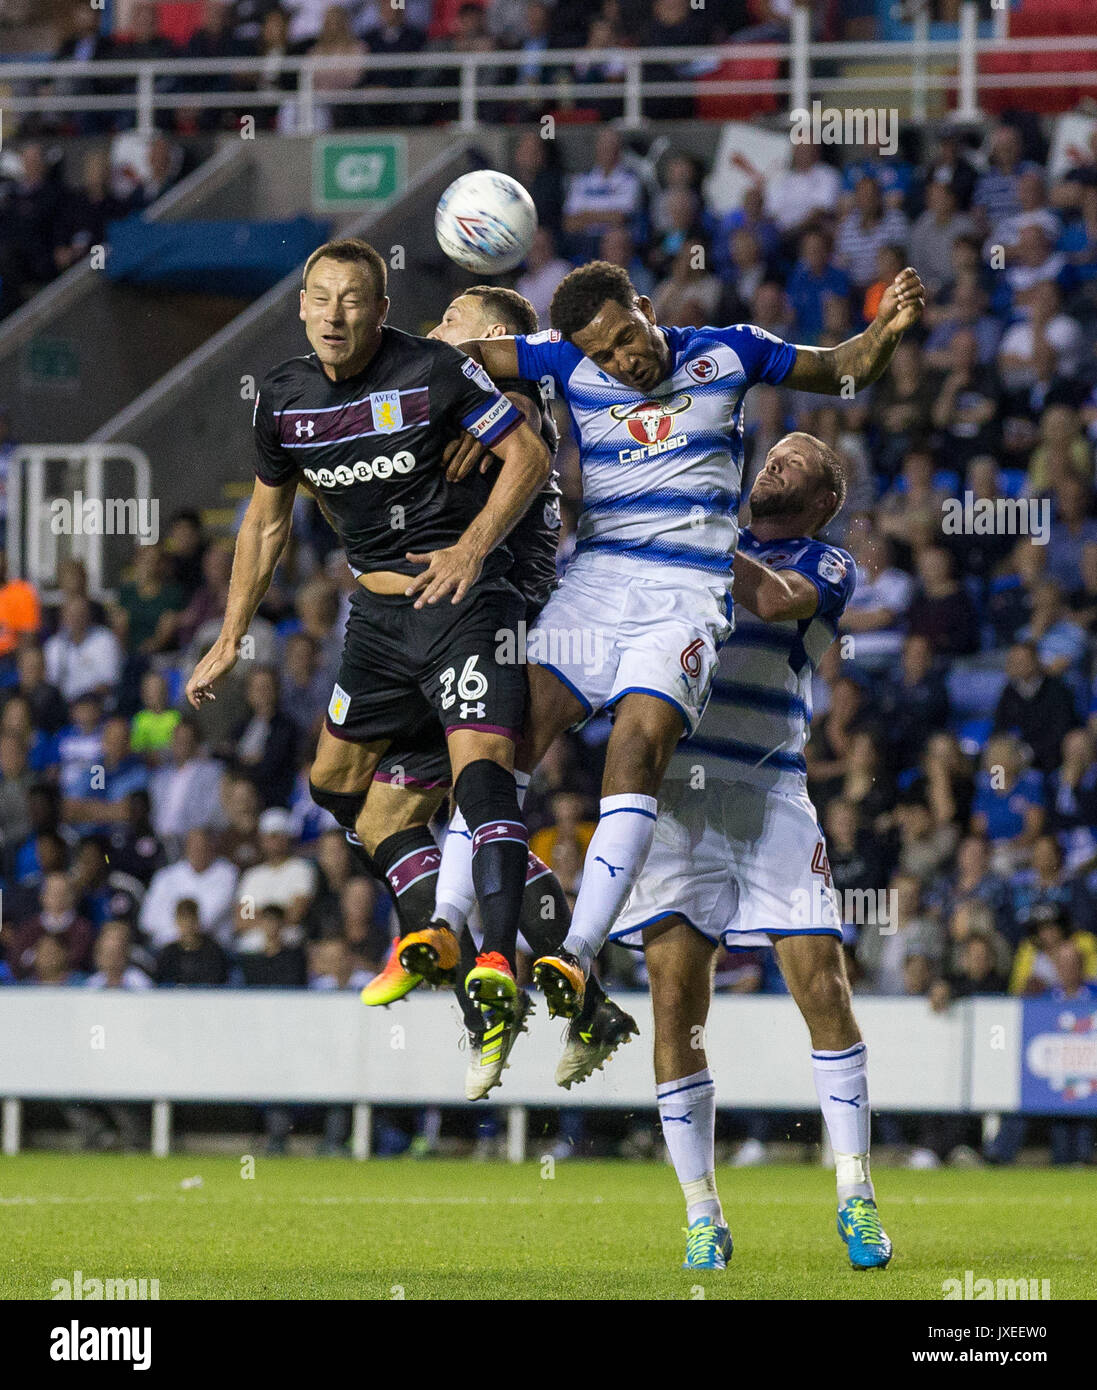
(185, 791)
(82, 657)
(201, 875)
(282, 879)
(1035, 704)
(266, 741)
(193, 958)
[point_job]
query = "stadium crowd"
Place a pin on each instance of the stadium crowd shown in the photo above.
(953, 754)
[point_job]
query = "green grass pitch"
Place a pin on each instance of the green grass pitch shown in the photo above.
(314, 1228)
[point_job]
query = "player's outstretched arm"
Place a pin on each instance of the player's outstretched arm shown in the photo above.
(525, 467)
(860, 360)
(259, 544)
(773, 595)
(497, 356)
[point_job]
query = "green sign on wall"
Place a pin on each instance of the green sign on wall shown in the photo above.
(51, 363)
(351, 171)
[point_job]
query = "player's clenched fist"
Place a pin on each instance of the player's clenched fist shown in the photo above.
(903, 301)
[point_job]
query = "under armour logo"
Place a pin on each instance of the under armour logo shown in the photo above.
(472, 711)
(305, 427)
(855, 1102)
(685, 1119)
(613, 868)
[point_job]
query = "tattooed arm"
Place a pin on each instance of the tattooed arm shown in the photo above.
(860, 360)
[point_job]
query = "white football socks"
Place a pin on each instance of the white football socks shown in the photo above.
(687, 1113)
(455, 895)
(841, 1083)
(615, 856)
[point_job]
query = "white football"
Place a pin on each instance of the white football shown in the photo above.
(485, 221)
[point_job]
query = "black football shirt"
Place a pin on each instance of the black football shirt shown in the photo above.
(371, 446)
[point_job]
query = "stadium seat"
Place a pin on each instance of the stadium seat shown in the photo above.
(1013, 481)
(973, 734)
(711, 107)
(173, 675)
(973, 689)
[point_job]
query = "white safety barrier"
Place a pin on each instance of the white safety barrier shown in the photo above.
(267, 1045)
(465, 80)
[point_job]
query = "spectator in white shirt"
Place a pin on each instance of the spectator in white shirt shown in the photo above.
(282, 879)
(112, 963)
(1032, 194)
(608, 196)
(82, 656)
(875, 612)
(200, 875)
(1047, 331)
(185, 792)
(809, 187)
(544, 271)
(333, 965)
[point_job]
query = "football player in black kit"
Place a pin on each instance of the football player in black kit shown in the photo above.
(422, 770)
(364, 419)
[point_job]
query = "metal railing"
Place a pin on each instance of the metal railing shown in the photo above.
(945, 65)
(35, 545)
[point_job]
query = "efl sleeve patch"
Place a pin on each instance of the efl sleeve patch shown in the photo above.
(832, 567)
(491, 424)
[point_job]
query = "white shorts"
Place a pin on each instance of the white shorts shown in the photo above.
(739, 863)
(613, 629)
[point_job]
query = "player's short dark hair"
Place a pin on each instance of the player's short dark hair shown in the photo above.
(831, 469)
(357, 251)
(512, 310)
(582, 292)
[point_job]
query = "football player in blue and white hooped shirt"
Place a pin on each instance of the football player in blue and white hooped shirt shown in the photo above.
(635, 626)
(738, 857)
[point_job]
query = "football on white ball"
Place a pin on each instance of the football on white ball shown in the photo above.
(485, 221)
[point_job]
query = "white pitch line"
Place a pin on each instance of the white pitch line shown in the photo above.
(56, 1199)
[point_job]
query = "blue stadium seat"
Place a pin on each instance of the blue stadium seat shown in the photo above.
(173, 675)
(973, 734)
(1013, 481)
(973, 690)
